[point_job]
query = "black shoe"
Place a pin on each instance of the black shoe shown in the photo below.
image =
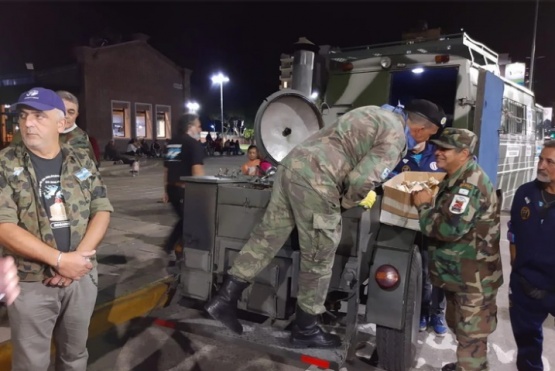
(449, 367)
(223, 306)
(308, 334)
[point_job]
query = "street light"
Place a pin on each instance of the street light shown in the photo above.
(193, 107)
(220, 78)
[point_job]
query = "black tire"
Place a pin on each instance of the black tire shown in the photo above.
(397, 348)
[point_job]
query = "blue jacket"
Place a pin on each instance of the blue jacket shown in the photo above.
(531, 230)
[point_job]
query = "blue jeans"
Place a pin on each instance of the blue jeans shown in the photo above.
(433, 297)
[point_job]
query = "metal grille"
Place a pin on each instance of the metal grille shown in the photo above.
(514, 117)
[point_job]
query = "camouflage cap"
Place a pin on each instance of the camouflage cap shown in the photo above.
(452, 138)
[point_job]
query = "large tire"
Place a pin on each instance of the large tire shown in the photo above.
(397, 348)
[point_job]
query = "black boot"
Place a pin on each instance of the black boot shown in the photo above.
(307, 333)
(223, 306)
(449, 367)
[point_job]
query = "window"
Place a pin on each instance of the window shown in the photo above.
(163, 121)
(143, 120)
(514, 117)
(120, 119)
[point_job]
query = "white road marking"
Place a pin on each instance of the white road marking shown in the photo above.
(447, 342)
(546, 366)
(502, 356)
(420, 362)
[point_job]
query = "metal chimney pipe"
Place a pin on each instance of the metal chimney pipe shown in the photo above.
(303, 66)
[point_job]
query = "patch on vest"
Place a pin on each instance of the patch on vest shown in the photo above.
(525, 213)
(385, 173)
(464, 191)
(459, 204)
(433, 166)
(405, 168)
(83, 174)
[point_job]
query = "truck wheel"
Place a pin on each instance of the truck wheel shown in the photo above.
(397, 348)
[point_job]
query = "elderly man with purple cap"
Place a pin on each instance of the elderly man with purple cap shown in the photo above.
(53, 214)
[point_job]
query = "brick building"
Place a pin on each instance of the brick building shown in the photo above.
(126, 90)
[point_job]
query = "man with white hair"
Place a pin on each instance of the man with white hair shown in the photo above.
(71, 134)
(53, 214)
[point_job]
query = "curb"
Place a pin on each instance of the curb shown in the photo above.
(125, 170)
(112, 313)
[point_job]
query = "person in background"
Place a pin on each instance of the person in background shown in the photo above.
(251, 167)
(184, 157)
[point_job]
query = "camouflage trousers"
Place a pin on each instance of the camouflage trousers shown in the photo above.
(294, 203)
(471, 317)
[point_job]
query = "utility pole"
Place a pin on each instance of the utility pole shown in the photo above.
(533, 54)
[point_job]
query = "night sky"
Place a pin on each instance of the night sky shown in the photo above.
(245, 39)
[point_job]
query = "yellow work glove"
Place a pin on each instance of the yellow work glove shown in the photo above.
(368, 200)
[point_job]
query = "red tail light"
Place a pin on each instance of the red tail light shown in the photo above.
(346, 67)
(442, 58)
(387, 277)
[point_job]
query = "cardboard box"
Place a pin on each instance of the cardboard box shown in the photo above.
(397, 207)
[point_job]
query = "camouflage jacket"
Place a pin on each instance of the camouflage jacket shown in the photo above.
(464, 231)
(348, 159)
(76, 138)
(20, 202)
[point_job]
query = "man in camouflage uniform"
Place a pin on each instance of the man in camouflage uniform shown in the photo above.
(72, 134)
(53, 214)
(334, 169)
(463, 227)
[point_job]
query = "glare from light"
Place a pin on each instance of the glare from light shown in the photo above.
(7, 106)
(192, 107)
(314, 95)
(220, 78)
(418, 70)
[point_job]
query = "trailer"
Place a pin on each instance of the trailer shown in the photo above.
(377, 272)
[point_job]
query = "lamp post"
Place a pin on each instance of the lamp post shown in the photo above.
(533, 53)
(193, 107)
(221, 79)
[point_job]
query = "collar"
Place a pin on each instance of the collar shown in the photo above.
(70, 129)
(23, 152)
(452, 179)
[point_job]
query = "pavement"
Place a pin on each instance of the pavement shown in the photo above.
(133, 281)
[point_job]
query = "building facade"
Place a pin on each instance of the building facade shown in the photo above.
(126, 90)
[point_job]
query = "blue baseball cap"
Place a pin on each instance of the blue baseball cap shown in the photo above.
(41, 99)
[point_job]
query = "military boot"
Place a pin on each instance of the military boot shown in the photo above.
(306, 332)
(223, 306)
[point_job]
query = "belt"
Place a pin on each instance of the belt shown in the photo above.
(532, 291)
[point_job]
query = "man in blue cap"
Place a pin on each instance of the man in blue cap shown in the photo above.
(421, 157)
(53, 214)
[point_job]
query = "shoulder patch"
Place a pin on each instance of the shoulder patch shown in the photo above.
(459, 204)
(466, 186)
(464, 191)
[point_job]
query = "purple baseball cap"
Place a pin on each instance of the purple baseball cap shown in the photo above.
(41, 99)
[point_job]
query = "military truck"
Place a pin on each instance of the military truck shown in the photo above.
(377, 272)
